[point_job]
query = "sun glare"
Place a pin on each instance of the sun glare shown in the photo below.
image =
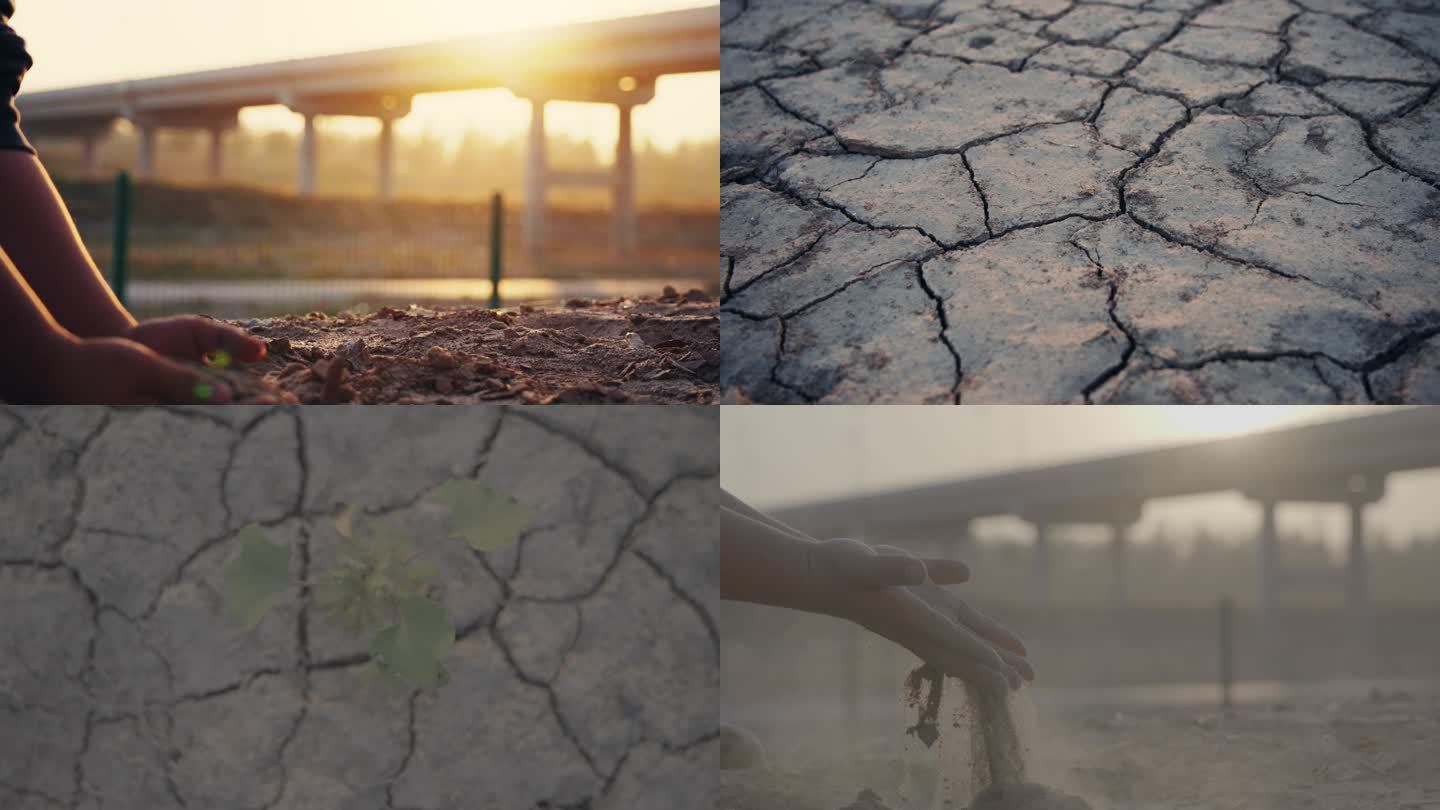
(1228, 420)
(72, 43)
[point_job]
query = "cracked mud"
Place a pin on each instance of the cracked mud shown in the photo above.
(1108, 201)
(585, 674)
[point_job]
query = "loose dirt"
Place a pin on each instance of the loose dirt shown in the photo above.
(997, 755)
(1353, 754)
(661, 350)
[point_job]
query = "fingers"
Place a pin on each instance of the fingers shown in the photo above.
(1020, 665)
(958, 609)
(853, 563)
(938, 571)
(947, 572)
(989, 628)
(966, 669)
(212, 336)
(914, 624)
(168, 381)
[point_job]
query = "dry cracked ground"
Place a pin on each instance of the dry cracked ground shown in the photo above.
(586, 671)
(1081, 201)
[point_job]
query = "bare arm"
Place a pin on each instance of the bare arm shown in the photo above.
(881, 588)
(30, 339)
(37, 232)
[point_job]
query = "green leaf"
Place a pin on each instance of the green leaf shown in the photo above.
(485, 518)
(256, 576)
(411, 650)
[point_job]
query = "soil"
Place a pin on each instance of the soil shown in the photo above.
(1359, 753)
(926, 728)
(661, 350)
(1026, 796)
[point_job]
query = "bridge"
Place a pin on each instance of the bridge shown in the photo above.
(1344, 462)
(610, 62)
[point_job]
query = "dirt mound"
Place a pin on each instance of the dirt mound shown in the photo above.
(664, 350)
(1026, 796)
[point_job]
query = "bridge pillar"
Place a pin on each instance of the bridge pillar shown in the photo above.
(1118, 549)
(622, 213)
(307, 157)
(1269, 560)
(386, 147)
(145, 168)
(217, 153)
(536, 179)
(1040, 563)
(1357, 591)
(91, 147)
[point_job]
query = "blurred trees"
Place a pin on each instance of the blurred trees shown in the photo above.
(687, 177)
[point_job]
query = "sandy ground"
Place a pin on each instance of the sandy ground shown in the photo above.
(1378, 751)
(663, 350)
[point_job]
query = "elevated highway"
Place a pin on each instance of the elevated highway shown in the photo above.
(1346, 461)
(610, 61)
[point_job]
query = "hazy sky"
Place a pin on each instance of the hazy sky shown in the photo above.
(77, 42)
(777, 455)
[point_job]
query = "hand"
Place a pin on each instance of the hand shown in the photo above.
(895, 595)
(192, 337)
(114, 371)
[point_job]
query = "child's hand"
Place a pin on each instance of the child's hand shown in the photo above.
(115, 371)
(191, 337)
(893, 594)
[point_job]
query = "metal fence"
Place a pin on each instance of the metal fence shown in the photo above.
(245, 253)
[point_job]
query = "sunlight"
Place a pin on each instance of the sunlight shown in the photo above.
(65, 36)
(1227, 420)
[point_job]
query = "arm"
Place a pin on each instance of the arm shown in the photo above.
(883, 589)
(35, 229)
(37, 232)
(43, 245)
(30, 337)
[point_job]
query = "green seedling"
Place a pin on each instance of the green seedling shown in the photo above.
(377, 588)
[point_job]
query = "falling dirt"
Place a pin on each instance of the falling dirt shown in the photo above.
(997, 755)
(926, 729)
(662, 350)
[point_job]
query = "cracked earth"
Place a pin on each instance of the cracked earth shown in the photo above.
(1056, 201)
(585, 673)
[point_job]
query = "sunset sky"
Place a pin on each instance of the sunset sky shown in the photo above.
(777, 455)
(77, 42)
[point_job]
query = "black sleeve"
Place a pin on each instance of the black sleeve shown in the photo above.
(14, 61)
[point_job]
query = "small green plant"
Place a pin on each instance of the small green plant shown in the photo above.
(377, 587)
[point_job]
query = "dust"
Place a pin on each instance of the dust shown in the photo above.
(662, 350)
(997, 755)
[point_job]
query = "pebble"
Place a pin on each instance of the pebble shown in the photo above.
(441, 358)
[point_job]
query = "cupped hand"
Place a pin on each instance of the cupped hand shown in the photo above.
(196, 338)
(898, 596)
(115, 371)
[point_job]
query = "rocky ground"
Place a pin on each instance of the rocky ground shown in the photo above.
(664, 350)
(1106, 201)
(1357, 754)
(585, 674)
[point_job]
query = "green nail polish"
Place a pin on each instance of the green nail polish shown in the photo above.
(220, 359)
(204, 392)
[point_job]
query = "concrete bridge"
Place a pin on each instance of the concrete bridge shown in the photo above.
(1342, 462)
(610, 62)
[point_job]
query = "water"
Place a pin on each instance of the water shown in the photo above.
(300, 294)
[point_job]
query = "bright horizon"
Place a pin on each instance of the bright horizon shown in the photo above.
(781, 455)
(73, 43)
